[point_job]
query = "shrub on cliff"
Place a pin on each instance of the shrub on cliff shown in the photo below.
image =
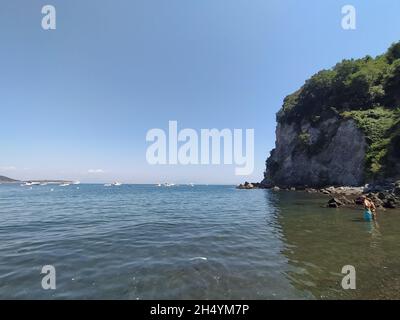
(378, 126)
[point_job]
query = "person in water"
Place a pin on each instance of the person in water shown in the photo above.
(370, 209)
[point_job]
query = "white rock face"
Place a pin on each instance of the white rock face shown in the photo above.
(329, 153)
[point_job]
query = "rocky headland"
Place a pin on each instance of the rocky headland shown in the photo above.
(4, 179)
(339, 134)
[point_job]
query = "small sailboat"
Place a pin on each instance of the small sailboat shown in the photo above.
(116, 184)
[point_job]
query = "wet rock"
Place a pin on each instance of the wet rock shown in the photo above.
(359, 201)
(334, 203)
(252, 185)
(382, 195)
(390, 204)
(378, 203)
(325, 191)
(246, 185)
(346, 201)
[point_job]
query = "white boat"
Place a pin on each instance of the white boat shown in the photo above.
(116, 184)
(64, 184)
(77, 182)
(168, 184)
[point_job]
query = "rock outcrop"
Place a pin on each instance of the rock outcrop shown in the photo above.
(330, 153)
(341, 128)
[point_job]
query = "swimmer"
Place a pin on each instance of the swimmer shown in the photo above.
(370, 209)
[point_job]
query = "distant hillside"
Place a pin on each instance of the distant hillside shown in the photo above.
(4, 179)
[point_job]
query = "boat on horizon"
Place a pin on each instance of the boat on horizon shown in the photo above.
(30, 183)
(166, 184)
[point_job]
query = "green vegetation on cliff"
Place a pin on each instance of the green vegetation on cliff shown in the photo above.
(355, 84)
(378, 125)
(366, 90)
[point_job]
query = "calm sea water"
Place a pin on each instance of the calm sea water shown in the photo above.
(182, 242)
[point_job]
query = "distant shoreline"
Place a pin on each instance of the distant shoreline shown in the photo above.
(34, 181)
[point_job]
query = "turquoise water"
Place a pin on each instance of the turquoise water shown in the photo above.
(183, 242)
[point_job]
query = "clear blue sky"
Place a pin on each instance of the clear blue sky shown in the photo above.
(83, 96)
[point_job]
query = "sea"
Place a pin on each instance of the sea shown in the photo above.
(190, 242)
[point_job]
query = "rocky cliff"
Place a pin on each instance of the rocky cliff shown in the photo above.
(332, 153)
(342, 127)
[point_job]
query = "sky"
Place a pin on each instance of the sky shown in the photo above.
(76, 102)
